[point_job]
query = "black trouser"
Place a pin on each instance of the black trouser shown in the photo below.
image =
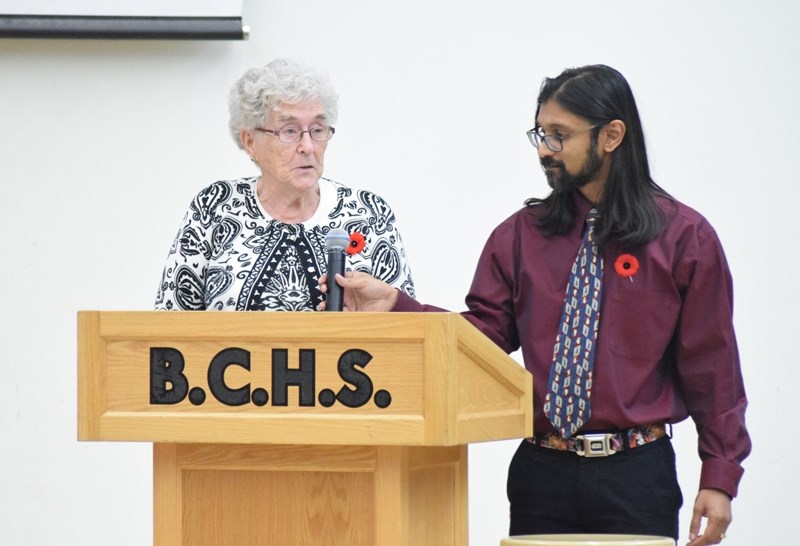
(630, 492)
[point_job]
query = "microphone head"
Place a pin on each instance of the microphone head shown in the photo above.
(337, 239)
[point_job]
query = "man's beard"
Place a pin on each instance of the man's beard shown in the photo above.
(562, 181)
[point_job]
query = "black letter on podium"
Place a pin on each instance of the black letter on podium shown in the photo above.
(303, 377)
(347, 371)
(166, 366)
(216, 376)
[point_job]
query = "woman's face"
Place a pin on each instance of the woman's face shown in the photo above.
(296, 166)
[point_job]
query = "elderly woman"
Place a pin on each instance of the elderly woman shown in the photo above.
(258, 243)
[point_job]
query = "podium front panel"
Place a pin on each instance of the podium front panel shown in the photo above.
(296, 378)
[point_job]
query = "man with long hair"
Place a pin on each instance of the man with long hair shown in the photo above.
(621, 300)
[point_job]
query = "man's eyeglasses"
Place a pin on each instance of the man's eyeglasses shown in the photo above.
(291, 135)
(555, 143)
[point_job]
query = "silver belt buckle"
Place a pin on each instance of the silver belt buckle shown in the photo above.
(595, 445)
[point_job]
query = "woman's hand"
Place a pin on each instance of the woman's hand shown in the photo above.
(362, 292)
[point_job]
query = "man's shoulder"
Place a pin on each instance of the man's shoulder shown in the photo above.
(523, 219)
(680, 216)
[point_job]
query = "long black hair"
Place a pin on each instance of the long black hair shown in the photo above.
(629, 214)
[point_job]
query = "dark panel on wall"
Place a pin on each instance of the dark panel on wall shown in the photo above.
(122, 28)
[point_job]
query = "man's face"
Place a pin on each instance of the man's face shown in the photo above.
(578, 162)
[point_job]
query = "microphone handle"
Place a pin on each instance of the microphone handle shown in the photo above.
(335, 301)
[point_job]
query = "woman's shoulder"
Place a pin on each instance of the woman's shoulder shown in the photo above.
(358, 197)
(240, 186)
(222, 191)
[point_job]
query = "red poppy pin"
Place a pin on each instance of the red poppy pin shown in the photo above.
(357, 243)
(626, 265)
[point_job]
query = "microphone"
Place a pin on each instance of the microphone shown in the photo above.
(336, 241)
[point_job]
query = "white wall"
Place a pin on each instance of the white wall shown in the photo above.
(102, 145)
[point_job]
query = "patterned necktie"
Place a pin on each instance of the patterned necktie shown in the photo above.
(568, 401)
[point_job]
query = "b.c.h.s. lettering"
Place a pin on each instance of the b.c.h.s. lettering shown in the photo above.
(169, 385)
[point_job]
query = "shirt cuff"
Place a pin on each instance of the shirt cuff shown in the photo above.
(722, 475)
(406, 303)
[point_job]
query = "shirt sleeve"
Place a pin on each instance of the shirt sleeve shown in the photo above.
(183, 278)
(708, 365)
(490, 301)
(384, 255)
(403, 280)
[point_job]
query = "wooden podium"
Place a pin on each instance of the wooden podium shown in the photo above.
(291, 429)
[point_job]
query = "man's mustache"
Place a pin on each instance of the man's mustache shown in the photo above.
(550, 162)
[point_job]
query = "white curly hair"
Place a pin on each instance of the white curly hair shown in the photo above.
(262, 90)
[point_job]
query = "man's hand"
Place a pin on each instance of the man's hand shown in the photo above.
(362, 292)
(715, 506)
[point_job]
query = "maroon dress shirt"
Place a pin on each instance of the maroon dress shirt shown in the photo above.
(666, 347)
